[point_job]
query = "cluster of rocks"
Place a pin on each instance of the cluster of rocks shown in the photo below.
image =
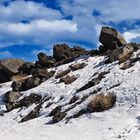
(115, 46)
(12, 69)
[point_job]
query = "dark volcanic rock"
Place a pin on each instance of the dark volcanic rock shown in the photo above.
(122, 54)
(26, 102)
(25, 84)
(59, 116)
(77, 66)
(63, 73)
(62, 52)
(55, 110)
(8, 68)
(11, 96)
(110, 38)
(45, 61)
(32, 115)
(68, 79)
(26, 68)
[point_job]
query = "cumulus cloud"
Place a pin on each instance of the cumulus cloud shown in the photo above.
(20, 10)
(29, 22)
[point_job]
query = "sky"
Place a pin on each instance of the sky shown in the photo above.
(28, 27)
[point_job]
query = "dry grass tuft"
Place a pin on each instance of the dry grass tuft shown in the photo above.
(102, 102)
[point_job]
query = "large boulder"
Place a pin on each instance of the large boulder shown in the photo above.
(68, 79)
(62, 73)
(3, 77)
(111, 38)
(42, 74)
(122, 54)
(9, 67)
(45, 61)
(62, 52)
(25, 84)
(78, 51)
(26, 68)
(11, 96)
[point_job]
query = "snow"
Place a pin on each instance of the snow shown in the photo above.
(121, 122)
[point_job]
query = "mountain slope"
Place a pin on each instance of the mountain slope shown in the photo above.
(120, 122)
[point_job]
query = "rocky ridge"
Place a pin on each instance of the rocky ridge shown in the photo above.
(73, 82)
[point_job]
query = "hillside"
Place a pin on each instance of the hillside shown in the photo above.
(61, 108)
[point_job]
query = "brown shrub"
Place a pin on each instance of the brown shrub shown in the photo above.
(101, 102)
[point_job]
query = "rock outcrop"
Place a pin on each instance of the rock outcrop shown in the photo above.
(111, 38)
(8, 68)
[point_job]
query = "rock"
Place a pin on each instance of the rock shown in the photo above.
(63, 73)
(33, 114)
(45, 61)
(55, 110)
(40, 72)
(110, 38)
(101, 102)
(3, 77)
(93, 82)
(102, 49)
(78, 51)
(11, 96)
(26, 68)
(29, 100)
(26, 102)
(77, 66)
(73, 99)
(94, 52)
(62, 52)
(122, 54)
(9, 67)
(25, 84)
(59, 116)
(68, 79)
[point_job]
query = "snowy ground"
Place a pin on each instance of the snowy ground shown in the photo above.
(121, 122)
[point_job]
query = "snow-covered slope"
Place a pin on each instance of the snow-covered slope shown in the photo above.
(121, 122)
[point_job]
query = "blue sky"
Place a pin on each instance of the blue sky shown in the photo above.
(30, 26)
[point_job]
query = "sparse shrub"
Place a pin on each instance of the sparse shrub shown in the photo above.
(101, 102)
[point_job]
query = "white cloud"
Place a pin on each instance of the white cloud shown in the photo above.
(38, 26)
(46, 26)
(6, 54)
(131, 35)
(20, 10)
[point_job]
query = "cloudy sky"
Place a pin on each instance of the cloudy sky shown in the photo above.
(30, 26)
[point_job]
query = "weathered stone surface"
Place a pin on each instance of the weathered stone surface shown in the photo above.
(62, 52)
(77, 66)
(11, 96)
(32, 115)
(122, 54)
(26, 102)
(25, 84)
(11, 65)
(45, 61)
(110, 38)
(59, 116)
(8, 68)
(40, 72)
(26, 68)
(68, 79)
(63, 73)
